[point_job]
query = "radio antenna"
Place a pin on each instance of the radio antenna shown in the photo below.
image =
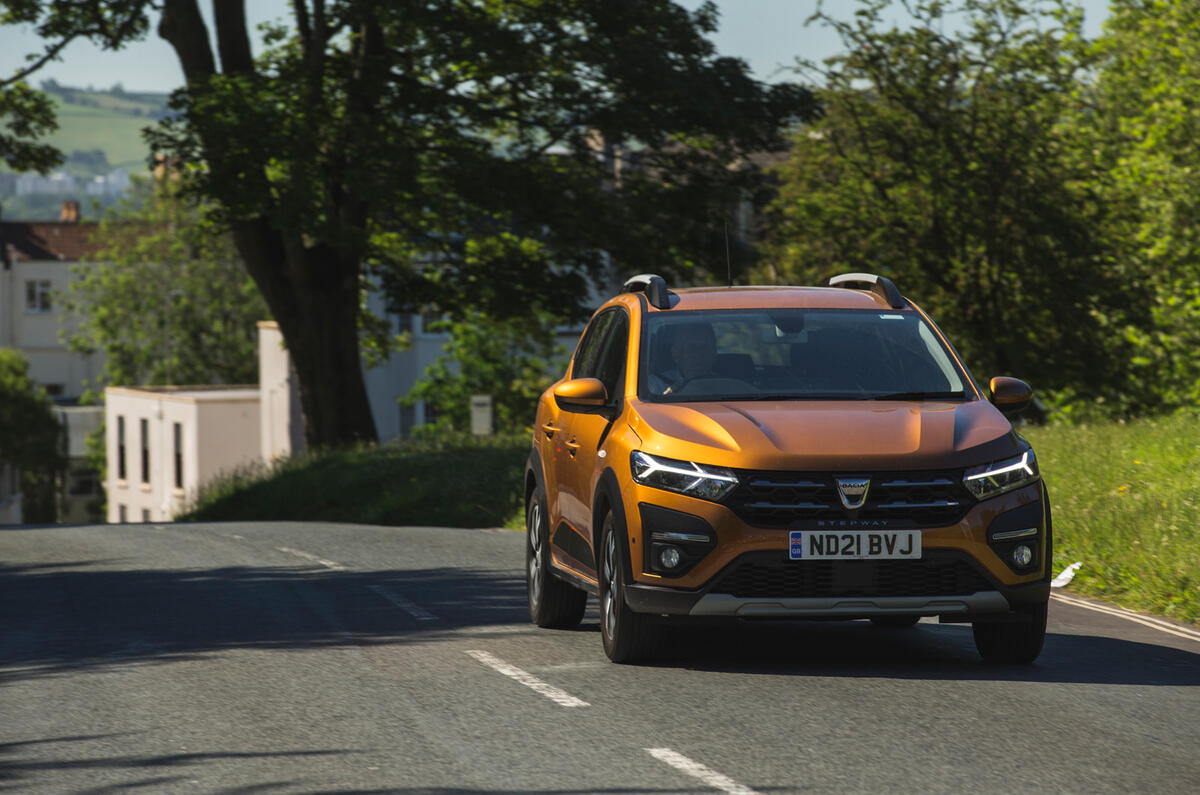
(728, 259)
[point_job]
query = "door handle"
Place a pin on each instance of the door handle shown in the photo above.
(550, 430)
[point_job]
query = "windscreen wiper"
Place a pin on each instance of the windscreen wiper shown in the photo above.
(914, 396)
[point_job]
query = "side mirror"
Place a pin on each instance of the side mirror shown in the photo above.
(1010, 395)
(581, 393)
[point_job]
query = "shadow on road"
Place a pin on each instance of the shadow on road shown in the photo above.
(83, 615)
(70, 617)
(927, 651)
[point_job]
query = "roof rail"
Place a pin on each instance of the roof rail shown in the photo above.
(654, 286)
(880, 285)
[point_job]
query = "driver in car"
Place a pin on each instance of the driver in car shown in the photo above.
(693, 350)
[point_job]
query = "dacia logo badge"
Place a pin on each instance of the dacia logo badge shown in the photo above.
(853, 491)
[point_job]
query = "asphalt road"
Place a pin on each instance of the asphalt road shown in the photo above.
(284, 657)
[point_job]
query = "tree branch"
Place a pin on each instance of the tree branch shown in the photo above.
(182, 26)
(51, 53)
(233, 42)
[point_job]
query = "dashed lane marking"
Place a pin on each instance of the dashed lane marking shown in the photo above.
(329, 564)
(1128, 615)
(560, 697)
(414, 610)
(700, 772)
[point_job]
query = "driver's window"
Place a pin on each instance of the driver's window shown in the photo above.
(587, 357)
(611, 361)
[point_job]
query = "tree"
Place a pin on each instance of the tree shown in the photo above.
(30, 437)
(512, 360)
(165, 297)
(454, 148)
(944, 161)
(1142, 126)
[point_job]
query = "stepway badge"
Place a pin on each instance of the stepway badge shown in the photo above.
(796, 537)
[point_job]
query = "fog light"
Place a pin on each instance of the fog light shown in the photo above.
(1022, 555)
(669, 557)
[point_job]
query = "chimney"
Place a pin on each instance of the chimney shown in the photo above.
(70, 212)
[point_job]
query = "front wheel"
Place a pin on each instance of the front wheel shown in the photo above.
(552, 602)
(628, 636)
(1012, 641)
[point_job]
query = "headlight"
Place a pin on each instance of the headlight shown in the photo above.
(996, 478)
(684, 477)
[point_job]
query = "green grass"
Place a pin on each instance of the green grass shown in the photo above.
(1126, 500)
(455, 482)
(84, 128)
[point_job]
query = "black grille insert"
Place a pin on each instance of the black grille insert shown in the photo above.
(900, 499)
(772, 574)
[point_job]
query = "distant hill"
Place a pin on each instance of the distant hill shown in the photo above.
(100, 130)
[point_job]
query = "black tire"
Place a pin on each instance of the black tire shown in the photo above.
(1012, 641)
(895, 622)
(628, 637)
(552, 602)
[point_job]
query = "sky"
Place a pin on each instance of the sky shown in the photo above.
(767, 34)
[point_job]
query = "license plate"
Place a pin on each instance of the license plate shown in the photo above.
(856, 545)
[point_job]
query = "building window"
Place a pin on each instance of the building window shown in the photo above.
(178, 456)
(145, 515)
(54, 390)
(145, 451)
(120, 448)
(122, 514)
(37, 295)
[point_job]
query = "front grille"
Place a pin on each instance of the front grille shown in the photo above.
(772, 574)
(899, 499)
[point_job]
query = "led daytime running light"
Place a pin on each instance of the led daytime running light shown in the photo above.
(653, 465)
(998, 477)
(684, 477)
(1022, 464)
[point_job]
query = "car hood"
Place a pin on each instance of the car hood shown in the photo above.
(824, 435)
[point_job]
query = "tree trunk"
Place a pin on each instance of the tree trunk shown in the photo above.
(314, 297)
(312, 291)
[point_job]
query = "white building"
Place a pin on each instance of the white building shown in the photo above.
(163, 443)
(35, 267)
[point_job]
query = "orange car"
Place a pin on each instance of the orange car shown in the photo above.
(782, 452)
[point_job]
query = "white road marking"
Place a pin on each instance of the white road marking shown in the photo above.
(329, 564)
(698, 771)
(551, 692)
(414, 610)
(499, 629)
(1128, 615)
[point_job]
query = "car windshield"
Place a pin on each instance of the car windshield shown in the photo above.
(795, 354)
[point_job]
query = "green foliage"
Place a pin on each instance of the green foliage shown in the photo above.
(1126, 500)
(26, 117)
(30, 437)
(513, 360)
(942, 161)
(1141, 125)
(452, 480)
(166, 298)
(451, 147)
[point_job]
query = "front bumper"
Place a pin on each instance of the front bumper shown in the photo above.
(996, 601)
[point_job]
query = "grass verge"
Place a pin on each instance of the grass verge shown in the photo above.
(459, 481)
(1126, 501)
